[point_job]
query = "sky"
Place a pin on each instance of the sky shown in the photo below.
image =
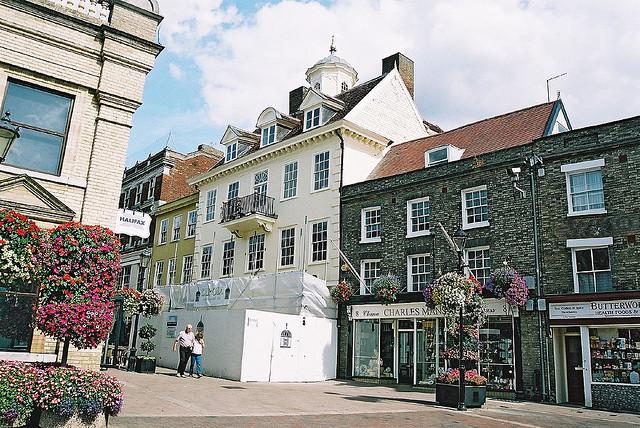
(225, 61)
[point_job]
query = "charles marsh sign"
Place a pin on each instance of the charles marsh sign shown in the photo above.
(133, 223)
(420, 310)
(606, 309)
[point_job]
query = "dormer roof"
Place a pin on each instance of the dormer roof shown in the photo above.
(271, 115)
(236, 134)
(315, 97)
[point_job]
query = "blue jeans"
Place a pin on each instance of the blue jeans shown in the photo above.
(196, 360)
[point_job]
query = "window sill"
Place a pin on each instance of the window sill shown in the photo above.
(287, 267)
(60, 179)
(190, 237)
(475, 225)
(289, 199)
(209, 221)
(320, 190)
(318, 263)
(370, 241)
(589, 212)
(415, 235)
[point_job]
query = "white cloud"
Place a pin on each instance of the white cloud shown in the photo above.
(176, 72)
(473, 59)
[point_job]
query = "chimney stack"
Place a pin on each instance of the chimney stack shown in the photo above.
(295, 99)
(405, 68)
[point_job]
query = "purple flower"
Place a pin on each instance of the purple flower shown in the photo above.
(10, 416)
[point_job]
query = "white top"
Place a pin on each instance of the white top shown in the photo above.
(185, 339)
(197, 348)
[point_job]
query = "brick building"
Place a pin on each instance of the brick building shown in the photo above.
(72, 76)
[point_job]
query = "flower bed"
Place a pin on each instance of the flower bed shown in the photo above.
(61, 391)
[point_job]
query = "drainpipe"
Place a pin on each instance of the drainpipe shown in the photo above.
(346, 364)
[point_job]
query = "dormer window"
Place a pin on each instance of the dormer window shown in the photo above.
(312, 118)
(344, 87)
(232, 151)
(441, 155)
(268, 135)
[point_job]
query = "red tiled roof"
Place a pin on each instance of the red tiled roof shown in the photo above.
(489, 135)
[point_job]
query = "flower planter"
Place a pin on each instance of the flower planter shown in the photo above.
(145, 365)
(51, 420)
(447, 395)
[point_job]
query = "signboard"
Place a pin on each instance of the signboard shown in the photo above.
(133, 223)
(420, 310)
(605, 309)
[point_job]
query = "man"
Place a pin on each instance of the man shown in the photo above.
(185, 340)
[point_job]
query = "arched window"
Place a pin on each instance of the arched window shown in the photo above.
(285, 338)
(344, 86)
(317, 86)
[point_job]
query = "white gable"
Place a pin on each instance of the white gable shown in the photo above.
(389, 110)
(312, 99)
(229, 136)
(268, 115)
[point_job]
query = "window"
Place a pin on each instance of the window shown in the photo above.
(152, 188)
(260, 182)
(233, 191)
(585, 191)
(370, 221)
(418, 217)
(126, 199)
(592, 270)
(177, 223)
(496, 353)
(437, 156)
(171, 272)
(475, 208)
(211, 205)
(319, 240)
(187, 269)
(366, 344)
(43, 117)
(205, 261)
(290, 184)
(312, 118)
(232, 151)
(227, 258)
(256, 252)
(614, 355)
(479, 263)
(268, 135)
(125, 276)
(287, 246)
(157, 282)
(419, 274)
(344, 87)
(369, 272)
(139, 193)
(321, 171)
(164, 225)
(192, 218)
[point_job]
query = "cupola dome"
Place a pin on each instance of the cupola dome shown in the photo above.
(332, 75)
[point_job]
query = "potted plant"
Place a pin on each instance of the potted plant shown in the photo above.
(447, 388)
(505, 282)
(151, 302)
(342, 292)
(386, 288)
(146, 363)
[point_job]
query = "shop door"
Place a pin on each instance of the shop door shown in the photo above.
(575, 380)
(405, 357)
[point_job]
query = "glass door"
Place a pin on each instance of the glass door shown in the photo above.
(430, 337)
(386, 348)
(405, 357)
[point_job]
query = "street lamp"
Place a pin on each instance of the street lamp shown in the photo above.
(460, 239)
(145, 258)
(8, 134)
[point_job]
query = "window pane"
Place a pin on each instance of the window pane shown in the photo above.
(603, 281)
(438, 156)
(366, 348)
(594, 180)
(16, 314)
(583, 260)
(585, 283)
(37, 108)
(600, 258)
(36, 151)
(577, 183)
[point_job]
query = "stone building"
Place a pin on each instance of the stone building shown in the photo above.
(72, 76)
(390, 225)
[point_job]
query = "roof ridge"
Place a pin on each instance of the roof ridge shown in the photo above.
(480, 121)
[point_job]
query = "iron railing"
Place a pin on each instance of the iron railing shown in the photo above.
(256, 203)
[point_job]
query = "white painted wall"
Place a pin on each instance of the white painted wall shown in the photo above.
(359, 160)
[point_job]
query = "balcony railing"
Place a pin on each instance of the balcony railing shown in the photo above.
(98, 9)
(256, 203)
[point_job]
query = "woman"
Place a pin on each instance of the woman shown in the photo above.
(196, 355)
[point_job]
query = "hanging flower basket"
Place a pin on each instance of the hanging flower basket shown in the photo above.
(505, 282)
(131, 303)
(342, 292)
(386, 288)
(151, 302)
(453, 291)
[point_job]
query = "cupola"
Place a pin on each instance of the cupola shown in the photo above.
(332, 75)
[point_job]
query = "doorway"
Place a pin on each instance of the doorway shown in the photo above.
(405, 357)
(575, 378)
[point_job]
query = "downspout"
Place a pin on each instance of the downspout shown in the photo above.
(346, 364)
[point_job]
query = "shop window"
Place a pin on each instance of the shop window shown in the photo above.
(615, 355)
(386, 348)
(496, 353)
(366, 353)
(430, 340)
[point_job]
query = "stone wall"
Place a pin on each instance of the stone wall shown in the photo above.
(615, 397)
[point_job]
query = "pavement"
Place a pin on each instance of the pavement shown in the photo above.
(164, 400)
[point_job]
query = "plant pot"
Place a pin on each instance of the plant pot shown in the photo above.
(145, 365)
(447, 395)
(51, 420)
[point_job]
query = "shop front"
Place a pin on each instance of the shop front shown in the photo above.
(407, 343)
(596, 340)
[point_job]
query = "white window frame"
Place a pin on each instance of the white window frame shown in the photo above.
(173, 227)
(152, 188)
(138, 194)
(264, 248)
(236, 187)
(231, 151)
(233, 259)
(313, 117)
(184, 270)
(581, 168)
(314, 172)
(191, 226)
(479, 248)
(157, 280)
(265, 183)
(437, 149)
(410, 287)
(172, 263)
(465, 224)
(363, 291)
(122, 282)
(587, 244)
(210, 205)
(206, 261)
(363, 229)
(311, 224)
(268, 133)
(294, 181)
(280, 248)
(163, 231)
(410, 232)
(127, 198)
